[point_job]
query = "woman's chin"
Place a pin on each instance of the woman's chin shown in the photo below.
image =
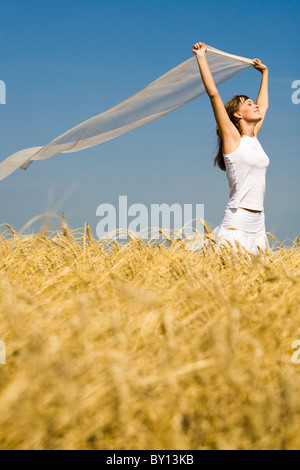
(258, 118)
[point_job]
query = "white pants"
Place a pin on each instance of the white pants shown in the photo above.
(245, 227)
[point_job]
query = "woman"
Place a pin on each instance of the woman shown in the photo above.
(242, 157)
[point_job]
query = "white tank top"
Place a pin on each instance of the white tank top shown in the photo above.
(246, 173)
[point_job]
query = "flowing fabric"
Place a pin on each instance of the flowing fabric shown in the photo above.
(176, 88)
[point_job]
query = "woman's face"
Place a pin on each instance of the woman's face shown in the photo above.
(249, 111)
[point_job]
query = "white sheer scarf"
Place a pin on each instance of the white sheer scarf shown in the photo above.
(177, 87)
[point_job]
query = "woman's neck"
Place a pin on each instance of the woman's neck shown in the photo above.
(248, 129)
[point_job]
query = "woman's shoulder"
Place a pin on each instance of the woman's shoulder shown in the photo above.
(231, 142)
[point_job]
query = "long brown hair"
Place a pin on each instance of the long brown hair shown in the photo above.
(231, 107)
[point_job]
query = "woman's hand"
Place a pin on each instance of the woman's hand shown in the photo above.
(259, 66)
(200, 49)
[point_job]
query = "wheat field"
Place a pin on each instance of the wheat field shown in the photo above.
(146, 346)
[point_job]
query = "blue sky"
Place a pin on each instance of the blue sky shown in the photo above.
(65, 61)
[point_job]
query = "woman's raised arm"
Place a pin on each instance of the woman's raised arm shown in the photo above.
(225, 126)
(263, 94)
